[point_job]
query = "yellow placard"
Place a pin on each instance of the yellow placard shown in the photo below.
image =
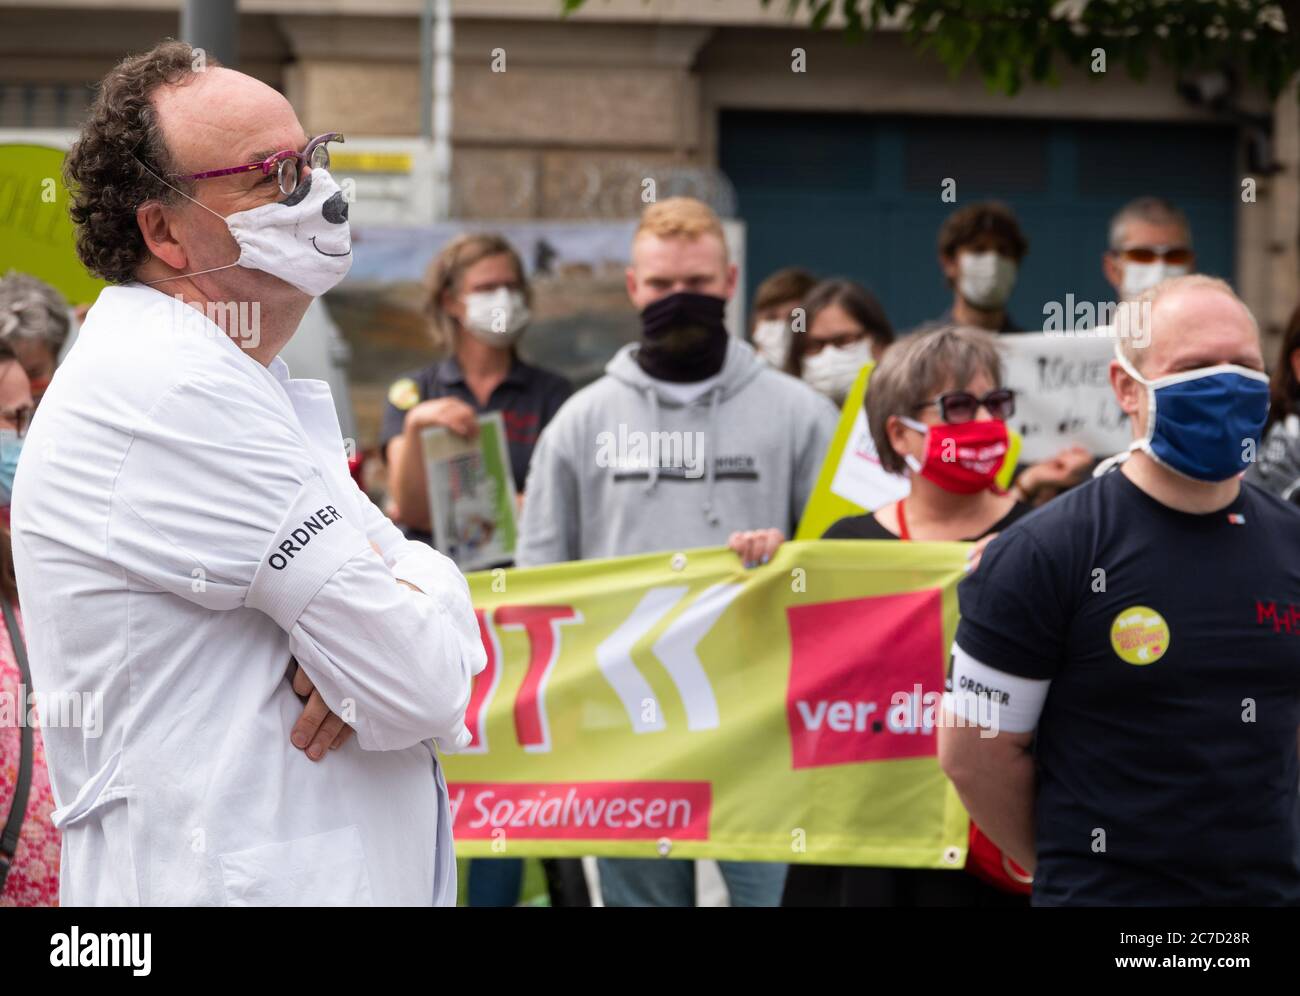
(369, 162)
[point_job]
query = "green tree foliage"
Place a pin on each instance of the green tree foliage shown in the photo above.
(1009, 42)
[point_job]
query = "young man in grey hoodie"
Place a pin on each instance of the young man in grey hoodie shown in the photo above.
(688, 440)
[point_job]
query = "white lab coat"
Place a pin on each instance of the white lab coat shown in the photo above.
(184, 522)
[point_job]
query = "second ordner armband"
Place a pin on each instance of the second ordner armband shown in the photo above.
(980, 695)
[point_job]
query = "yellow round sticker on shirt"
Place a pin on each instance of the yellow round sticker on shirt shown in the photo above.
(404, 394)
(1139, 635)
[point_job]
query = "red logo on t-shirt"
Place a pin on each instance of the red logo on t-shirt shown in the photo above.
(1281, 617)
(521, 427)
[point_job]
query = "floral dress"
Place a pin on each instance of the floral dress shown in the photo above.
(34, 877)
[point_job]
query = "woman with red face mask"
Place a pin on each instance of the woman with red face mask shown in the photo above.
(937, 412)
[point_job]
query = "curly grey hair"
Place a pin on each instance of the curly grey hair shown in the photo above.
(32, 309)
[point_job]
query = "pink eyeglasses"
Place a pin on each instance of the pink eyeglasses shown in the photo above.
(287, 164)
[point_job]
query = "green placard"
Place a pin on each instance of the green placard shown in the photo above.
(496, 460)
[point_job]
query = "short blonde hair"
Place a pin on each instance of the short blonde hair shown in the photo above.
(1134, 320)
(680, 218)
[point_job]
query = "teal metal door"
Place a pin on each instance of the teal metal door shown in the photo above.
(859, 196)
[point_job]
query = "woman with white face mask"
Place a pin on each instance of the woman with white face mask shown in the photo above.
(775, 313)
(846, 329)
(478, 307)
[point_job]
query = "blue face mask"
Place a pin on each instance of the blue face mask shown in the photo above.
(1199, 422)
(11, 445)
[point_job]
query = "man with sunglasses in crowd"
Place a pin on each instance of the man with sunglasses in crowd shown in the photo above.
(1137, 641)
(192, 555)
(1150, 241)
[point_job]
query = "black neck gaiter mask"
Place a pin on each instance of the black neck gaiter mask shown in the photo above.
(683, 338)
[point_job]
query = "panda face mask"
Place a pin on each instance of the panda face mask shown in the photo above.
(304, 239)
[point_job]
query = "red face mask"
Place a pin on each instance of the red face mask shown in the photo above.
(961, 458)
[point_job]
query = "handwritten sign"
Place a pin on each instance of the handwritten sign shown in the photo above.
(1063, 393)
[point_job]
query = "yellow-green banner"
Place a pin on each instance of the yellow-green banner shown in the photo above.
(680, 705)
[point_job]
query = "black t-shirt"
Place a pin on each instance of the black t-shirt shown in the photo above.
(1166, 750)
(868, 527)
(527, 399)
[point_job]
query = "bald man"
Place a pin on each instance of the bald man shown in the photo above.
(1137, 642)
(251, 664)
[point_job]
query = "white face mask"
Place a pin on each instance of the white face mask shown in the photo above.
(1143, 276)
(496, 317)
(772, 341)
(985, 279)
(304, 239)
(833, 370)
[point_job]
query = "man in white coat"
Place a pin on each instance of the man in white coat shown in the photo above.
(186, 530)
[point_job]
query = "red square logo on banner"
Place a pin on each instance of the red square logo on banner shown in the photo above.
(866, 675)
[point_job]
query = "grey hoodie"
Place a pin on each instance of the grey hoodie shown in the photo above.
(624, 468)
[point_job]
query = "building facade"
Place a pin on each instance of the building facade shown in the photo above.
(832, 153)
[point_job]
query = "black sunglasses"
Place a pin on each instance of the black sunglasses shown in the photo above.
(957, 407)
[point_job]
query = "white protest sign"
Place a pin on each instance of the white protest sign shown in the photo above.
(1063, 393)
(860, 478)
